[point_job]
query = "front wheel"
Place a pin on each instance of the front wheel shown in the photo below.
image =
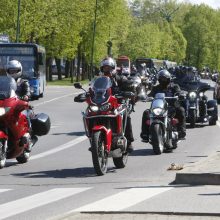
(157, 139)
(2, 154)
(120, 162)
(99, 154)
(192, 118)
(23, 158)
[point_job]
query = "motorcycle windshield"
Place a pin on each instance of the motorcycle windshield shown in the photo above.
(158, 103)
(8, 87)
(196, 86)
(100, 86)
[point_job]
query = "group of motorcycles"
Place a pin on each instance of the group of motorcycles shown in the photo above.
(19, 126)
(106, 115)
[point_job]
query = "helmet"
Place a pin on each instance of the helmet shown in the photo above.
(107, 65)
(14, 69)
(164, 77)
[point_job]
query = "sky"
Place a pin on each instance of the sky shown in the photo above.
(213, 3)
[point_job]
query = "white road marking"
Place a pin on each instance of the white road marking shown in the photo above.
(59, 148)
(57, 98)
(123, 199)
(37, 200)
(218, 123)
(4, 190)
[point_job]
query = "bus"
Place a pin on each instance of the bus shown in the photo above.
(150, 63)
(123, 64)
(33, 60)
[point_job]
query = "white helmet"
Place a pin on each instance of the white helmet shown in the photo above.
(14, 69)
(108, 61)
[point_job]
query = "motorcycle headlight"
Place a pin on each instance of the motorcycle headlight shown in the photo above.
(201, 94)
(94, 108)
(192, 95)
(105, 107)
(157, 111)
(3, 111)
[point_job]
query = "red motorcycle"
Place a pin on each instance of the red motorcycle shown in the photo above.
(105, 121)
(16, 135)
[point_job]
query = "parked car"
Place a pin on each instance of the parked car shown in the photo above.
(55, 72)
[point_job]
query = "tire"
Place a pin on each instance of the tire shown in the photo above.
(174, 144)
(214, 117)
(2, 155)
(192, 118)
(212, 122)
(23, 158)
(157, 139)
(99, 155)
(121, 162)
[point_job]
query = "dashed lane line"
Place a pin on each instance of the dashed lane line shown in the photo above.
(59, 148)
(55, 99)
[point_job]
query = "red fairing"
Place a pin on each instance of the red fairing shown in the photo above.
(108, 135)
(15, 121)
(3, 135)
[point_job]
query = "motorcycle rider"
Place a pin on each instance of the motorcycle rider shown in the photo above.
(170, 89)
(14, 70)
(107, 68)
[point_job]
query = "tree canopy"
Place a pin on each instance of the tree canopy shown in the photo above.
(158, 29)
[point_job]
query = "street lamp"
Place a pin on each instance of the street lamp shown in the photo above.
(93, 41)
(18, 22)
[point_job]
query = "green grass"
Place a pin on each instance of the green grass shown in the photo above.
(65, 82)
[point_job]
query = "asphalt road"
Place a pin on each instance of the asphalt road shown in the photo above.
(60, 179)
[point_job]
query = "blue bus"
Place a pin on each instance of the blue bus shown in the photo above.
(33, 60)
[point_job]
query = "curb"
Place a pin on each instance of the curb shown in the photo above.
(203, 172)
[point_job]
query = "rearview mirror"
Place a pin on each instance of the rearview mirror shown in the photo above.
(77, 85)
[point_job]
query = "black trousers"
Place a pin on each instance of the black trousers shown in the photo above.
(128, 130)
(180, 115)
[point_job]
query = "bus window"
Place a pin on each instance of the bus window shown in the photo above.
(40, 59)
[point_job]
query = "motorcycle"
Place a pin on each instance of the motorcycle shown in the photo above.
(198, 109)
(135, 84)
(162, 123)
(105, 121)
(17, 136)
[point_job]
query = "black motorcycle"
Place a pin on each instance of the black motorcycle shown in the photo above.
(197, 106)
(162, 123)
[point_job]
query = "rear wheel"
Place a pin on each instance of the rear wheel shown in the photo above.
(121, 162)
(157, 139)
(99, 154)
(192, 118)
(2, 154)
(23, 158)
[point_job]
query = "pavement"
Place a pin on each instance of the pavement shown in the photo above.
(203, 172)
(134, 216)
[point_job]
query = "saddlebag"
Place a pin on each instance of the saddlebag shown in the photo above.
(40, 124)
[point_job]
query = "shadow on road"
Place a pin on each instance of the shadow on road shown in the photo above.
(196, 126)
(80, 133)
(63, 173)
(142, 152)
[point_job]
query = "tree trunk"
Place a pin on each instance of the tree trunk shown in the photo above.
(58, 64)
(78, 63)
(49, 69)
(67, 68)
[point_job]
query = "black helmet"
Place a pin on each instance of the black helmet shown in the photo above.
(164, 77)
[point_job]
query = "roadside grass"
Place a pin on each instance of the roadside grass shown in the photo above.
(65, 82)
